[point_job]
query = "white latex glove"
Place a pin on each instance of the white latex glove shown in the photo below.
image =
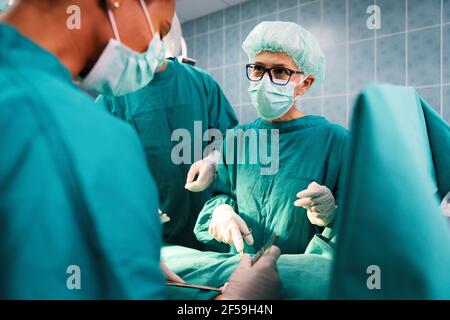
(319, 203)
(228, 227)
(168, 274)
(163, 217)
(204, 170)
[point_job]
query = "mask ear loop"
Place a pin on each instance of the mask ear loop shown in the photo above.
(297, 97)
(301, 82)
(147, 16)
(113, 25)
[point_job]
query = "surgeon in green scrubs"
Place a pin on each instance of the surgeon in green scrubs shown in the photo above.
(183, 97)
(255, 198)
(78, 207)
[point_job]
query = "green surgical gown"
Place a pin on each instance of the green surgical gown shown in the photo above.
(181, 97)
(394, 242)
(310, 149)
(74, 188)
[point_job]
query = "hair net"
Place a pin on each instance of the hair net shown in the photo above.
(290, 38)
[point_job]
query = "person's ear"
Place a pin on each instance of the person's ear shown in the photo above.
(305, 86)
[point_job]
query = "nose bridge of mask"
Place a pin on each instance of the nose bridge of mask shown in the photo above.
(114, 24)
(269, 85)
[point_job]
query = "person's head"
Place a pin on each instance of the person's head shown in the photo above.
(111, 35)
(131, 20)
(285, 61)
(130, 60)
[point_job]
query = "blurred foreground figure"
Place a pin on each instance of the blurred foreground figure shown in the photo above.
(78, 205)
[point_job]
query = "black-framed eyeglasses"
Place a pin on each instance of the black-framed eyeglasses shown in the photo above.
(278, 75)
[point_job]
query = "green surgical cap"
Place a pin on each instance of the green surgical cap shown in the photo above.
(290, 38)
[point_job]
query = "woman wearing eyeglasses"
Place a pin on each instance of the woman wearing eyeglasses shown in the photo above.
(298, 199)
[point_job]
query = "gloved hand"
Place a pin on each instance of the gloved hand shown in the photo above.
(163, 217)
(227, 226)
(258, 282)
(168, 274)
(320, 203)
(204, 170)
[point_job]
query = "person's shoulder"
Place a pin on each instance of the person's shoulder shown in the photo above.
(338, 130)
(59, 102)
(333, 128)
(85, 112)
(196, 72)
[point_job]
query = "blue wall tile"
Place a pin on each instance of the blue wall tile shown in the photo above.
(232, 45)
(391, 59)
(215, 58)
(334, 13)
(423, 13)
(312, 106)
(231, 86)
(357, 20)
(309, 17)
(233, 15)
(190, 43)
(446, 103)
(270, 17)
(290, 15)
(249, 10)
(306, 1)
(201, 50)
(336, 70)
(393, 15)
(446, 10)
(284, 4)
(267, 7)
(217, 74)
(335, 110)
(245, 83)
(361, 65)
(201, 25)
(248, 113)
(432, 96)
(215, 20)
(424, 57)
(188, 29)
(446, 45)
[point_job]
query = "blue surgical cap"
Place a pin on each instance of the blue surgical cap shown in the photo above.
(290, 38)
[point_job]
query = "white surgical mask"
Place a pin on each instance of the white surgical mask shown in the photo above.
(270, 100)
(120, 70)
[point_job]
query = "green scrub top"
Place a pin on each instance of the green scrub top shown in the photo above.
(310, 149)
(394, 242)
(176, 98)
(77, 203)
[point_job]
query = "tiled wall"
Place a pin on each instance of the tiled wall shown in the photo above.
(412, 48)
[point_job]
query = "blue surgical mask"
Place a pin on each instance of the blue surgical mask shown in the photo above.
(120, 70)
(272, 101)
